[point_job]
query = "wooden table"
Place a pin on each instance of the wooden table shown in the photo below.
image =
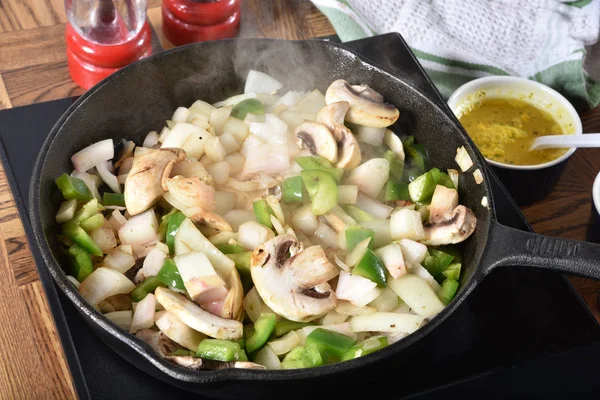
(33, 68)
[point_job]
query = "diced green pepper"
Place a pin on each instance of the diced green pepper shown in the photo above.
(448, 290)
(291, 190)
(242, 356)
(113, 199)
(322, 190)
(148, 286)
(169, 275)
(422, 188)
(92, 223)
(164, 222)
(441, 178)
(172, 227)
(263, 212)
(369, 346)
(356, 234)
(80, 262)
(245, 107)
(452, 271)
(371, 267)
(218, 350)
(331, 345)
(183, 353)
(453, 250)
(356, 213)
(229, 248)
(284, 326)
(303, 357)
(88, 210)
(242, 264)
(258, 335)
(73, 188)
(436, 262)
(417, 155)
(79, 236)
(396, 166)
(395, 191)
(309, 163)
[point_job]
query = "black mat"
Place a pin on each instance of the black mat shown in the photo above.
(522, 333)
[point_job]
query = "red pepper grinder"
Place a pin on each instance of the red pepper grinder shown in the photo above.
(190, 21)
(103, 36)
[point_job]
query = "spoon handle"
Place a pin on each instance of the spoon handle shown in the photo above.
(585, 140)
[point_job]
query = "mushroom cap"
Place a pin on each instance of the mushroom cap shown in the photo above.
(213, 220)
(318, 139)
(366, 105)
(146, 182)
(454, 227)
(332, 116)
(349, 154)
(291, 282)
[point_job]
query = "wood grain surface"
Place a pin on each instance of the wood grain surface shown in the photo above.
(33, 69)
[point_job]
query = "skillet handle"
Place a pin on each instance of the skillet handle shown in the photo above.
(509, 246)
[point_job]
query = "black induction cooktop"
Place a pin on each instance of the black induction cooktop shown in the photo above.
(522, 333)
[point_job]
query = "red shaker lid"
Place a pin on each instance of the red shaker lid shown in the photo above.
(202, 12)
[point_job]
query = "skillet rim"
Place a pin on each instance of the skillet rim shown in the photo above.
(239, 375)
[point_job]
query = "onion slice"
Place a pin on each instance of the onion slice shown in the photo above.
(108, 178)
(93, 155)
(104, 282)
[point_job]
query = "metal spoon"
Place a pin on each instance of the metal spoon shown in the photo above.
(558, 141)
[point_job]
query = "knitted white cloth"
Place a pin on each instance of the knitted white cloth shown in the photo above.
(458, 40)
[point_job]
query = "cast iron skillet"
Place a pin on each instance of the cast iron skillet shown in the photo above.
(142, 96)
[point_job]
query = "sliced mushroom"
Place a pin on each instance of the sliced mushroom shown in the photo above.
(318, 139)
(366, 105)
(196, 318)
(332, 116)
(158, 340)
(453, 227)
(293, 282)
(443, 202)
(213, 220)
(187, 361)
(146, 182)
(232, 305)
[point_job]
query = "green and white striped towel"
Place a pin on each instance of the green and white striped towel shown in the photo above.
(551, 41)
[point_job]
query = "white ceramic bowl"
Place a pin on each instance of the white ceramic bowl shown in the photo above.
(523, 89)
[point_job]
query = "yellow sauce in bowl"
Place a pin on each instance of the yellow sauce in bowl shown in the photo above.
(504, 129)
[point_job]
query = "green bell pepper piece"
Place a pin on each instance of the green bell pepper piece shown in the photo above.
(291, 190)
(169, 275)
(172, 227)
(228, 248)
(422, 188)
(309, 163)
(441, 178)
(245, 107)
(148, 286)
(242, 356)
(258, 335)
(263, 213)
(371, 267)
(331, 345)
(219, 350)
(242, 264)
(79, 236)
(453, 250)
(417, 155)
(164, 222)
(113, 199)
(92, 223)
(395, 191)
(356, 234)
(80, 262)
(436, 262)
(356, 213)
(396, 166)
(284, 326)
(448, 290)
(369, 346)
(302, 357)
(322, 190)
(88, 210)
(73, 188)
(452, 271)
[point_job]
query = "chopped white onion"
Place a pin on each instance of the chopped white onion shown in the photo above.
(121, 318)
(108, 178)
(310, 104)
(139, 229)
(252, 234)
(370, 135)
(224, 202)
(284, 344)
(303, 219)
(214, 149)
(273, 130)
(478, 176)
(259, 82)
(267, 357)
(66, 211)
(180, 115)
(348, 194)
(327, 235)
(421, 271)
(105, 238)
(346, 308)
(394, 143)
(236, 128)
(357, 252)
(406, 224)
(386, 322)
(177, 331)
(218, 117)
(367, 298)
(236, 162)
(151, 139)
(340, 263)
(392, 258)
(373, 207)
(163, 134)
(413, 252)
(89, 181)
(381, 229)
(279, 229)
(117, 219)
(352, 287)
(463, 159)
(484, 201)
(417, 294)
(254, 305)
(333, 318)
(229, 143)
(202, 108)
(219, 171)
(119, 260)
(386, 301)
(93, 155)
(143, 316)
(74, 281)
(192, 169)
(371, 176)
(239, 217)
(103, 283)
(454, 174)
(153, 262)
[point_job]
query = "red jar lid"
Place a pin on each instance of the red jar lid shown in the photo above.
(202, 12)
(179, 32)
